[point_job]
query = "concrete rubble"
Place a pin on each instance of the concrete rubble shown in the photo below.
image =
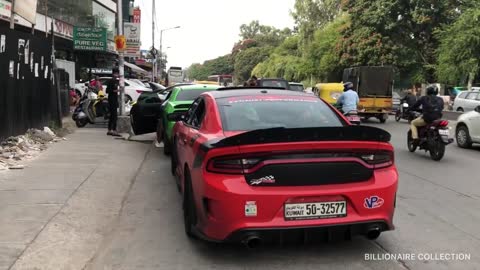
(17, 149)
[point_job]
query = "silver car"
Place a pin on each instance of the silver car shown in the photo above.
(466, 101)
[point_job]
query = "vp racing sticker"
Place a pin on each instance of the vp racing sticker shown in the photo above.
(373, 202)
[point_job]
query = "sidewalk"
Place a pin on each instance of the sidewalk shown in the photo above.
(56, 211)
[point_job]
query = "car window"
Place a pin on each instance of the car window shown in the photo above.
(472, 96)
(296, 87)
(274, 83)
(462, 95)
(198, 114)
(186, 95)
(189, 114)
(259, 112)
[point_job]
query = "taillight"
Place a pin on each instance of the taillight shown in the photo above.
(378, 159)
(231, 165)
(443, 123)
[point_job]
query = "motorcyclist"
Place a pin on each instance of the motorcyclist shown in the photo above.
(349, 99)
(432, 107)
(410, 99)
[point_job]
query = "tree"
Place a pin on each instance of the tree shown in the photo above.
(399, 32)
(245, 61)
(217, 66)
(263, 35)
(459, 51)
(310, 15)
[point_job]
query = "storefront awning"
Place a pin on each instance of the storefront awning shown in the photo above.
(136, 68)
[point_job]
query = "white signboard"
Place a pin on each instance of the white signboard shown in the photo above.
(26, 9)
(5, 8)
(132, 35)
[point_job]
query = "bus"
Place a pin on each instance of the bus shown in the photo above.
(175, 75)
(222, 80)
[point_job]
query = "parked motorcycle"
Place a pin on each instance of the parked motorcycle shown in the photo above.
(404, 113)
(92, 106)
(353, 117)
(433, 138)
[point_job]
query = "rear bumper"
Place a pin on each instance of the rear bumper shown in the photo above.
(221, 203)
(307, 234)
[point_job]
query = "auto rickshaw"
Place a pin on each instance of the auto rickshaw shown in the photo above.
(330, 92)
(374, 85)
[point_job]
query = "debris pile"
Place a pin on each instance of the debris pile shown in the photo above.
(16, 149)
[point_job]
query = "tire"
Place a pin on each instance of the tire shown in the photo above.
(128, 99)
(382, 119)
(438, 150)
(81, 122)
(132, 123)
(462, 136)
(412, 148)
(189, 210)
(398, 116)
(460, 110)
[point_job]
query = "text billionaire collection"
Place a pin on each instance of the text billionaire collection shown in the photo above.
(417, 256)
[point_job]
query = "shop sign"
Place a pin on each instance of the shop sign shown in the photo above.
(90, 39)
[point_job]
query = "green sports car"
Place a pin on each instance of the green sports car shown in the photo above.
(150, 113)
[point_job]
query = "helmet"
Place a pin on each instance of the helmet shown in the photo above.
(348, 86)
(432, 90)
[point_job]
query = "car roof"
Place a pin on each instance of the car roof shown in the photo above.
(198, 87)
(236, 92)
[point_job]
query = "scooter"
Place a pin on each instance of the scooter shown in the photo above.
(91, 107)
(404, 113)
(353, 117)
(433, 138)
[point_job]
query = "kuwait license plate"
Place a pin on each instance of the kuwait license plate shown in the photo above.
(315, 210)
(445, 132)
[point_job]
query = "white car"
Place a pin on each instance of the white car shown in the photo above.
(467, 131)
(132, 89)
(466, 101)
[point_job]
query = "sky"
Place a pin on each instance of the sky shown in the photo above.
(208, 28)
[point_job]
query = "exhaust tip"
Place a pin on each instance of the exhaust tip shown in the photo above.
(252, 241)
(373, 232)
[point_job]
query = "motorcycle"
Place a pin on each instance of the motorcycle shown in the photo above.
(92, 106)
(353, 117)
(404, 113)
(433, 138)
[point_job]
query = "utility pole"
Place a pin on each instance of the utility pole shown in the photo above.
(161, 55)
(121, 59)
(154, 55)
(12, 17)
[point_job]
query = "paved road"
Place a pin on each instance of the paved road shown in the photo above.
(438, 211)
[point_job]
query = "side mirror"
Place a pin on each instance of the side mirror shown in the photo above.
(176, 116)
(477, 109)
(86, 84)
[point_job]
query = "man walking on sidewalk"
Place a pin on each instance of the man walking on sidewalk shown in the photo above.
(112, 91)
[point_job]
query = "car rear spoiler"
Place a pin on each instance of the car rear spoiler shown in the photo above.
(276, 135)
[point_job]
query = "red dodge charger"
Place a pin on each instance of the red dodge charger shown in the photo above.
(259, 165)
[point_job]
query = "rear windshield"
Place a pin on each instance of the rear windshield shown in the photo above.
(296, 87)
(250, 113)
(186, 95)
(274, 83)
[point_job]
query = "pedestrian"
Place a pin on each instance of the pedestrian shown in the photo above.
(112, 91)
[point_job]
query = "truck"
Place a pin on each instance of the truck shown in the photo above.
(374, 85)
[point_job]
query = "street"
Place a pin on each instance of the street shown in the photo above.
(438, 212)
